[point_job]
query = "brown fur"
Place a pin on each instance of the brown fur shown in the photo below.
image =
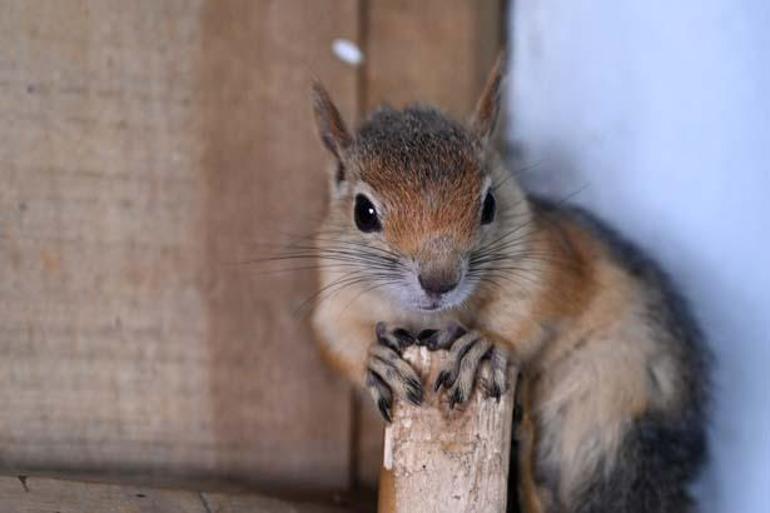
(408, 227)
(571, 316)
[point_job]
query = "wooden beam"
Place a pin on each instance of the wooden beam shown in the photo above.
(435, 51)
(437, 459)
(43, 495)
(278, 413)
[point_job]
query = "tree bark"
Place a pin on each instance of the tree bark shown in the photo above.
(438, 460)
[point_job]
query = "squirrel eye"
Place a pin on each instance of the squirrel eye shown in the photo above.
(488, 209)
(366, 216)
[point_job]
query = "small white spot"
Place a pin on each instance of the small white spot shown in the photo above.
(347, 51)
(387, 457)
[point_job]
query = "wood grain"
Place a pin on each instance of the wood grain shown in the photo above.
(439, 459)
(146, 147)
(433, 51)
(276, 408)
(39, 495)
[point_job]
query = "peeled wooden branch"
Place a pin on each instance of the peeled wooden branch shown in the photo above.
(438, 460)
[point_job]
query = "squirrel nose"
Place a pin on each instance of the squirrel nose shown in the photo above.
(437, 284)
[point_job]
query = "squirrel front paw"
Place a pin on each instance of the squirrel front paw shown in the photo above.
(388, 374)
(471, 355)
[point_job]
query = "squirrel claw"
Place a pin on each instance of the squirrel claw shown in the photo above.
(467, 349)
(384, 408)
(397, 339)
(428, 338)
(388, 374)
(494, 373)
(442, 377)
(456, 398)
(414, 392)
(494, 393)
(405, 339)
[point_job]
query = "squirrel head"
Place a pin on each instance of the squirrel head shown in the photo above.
(416, 198)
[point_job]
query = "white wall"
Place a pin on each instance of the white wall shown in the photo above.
(658, 113)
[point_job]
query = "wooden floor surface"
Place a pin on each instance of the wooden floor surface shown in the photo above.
(43, 495)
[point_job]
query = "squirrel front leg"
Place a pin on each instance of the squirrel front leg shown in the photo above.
(371, 356)
(472, 354)
(484, 353)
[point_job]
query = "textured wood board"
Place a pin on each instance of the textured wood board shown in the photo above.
(265, 171)
(223, 503)
(35, 495)
(38, 495)
(439, 458)
(432, 51)
(145, 147)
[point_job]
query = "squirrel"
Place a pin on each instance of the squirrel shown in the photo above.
(428, 239)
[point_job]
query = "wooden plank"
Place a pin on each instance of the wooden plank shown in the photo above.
(276, 408)
(440, 459)
(146, 146)
(222, 503)
(432, 51)
(103, 320)
(40, 495)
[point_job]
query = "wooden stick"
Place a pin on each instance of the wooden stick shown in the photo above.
(438, 460)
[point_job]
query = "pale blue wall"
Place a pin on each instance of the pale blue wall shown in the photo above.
(659, 113)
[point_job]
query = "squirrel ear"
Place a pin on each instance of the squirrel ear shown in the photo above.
(488, 105)
(331, 128)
